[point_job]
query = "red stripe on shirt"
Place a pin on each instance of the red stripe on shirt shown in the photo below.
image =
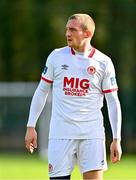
(72, 51)
(90, 55)
(110, 90)
(46, 80)
(92, 52)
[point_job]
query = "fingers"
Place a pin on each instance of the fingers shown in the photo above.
(115, 157)
(35, 143)
(115, 151)
(31, 139)
(30, 147)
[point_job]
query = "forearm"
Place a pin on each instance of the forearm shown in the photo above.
(114, 111)
(38, 102)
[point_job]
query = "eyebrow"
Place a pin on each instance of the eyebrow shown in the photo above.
(71, 28)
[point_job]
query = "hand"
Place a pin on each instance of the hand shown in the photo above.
(31, 139)
(115, 150)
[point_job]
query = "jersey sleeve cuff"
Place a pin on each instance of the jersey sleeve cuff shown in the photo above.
(31, 124)
(46, 80)
(109, 90)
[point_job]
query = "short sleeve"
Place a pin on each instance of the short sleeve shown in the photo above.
(47, 74)
(109, 83)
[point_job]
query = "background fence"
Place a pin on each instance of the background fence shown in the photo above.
(15, 99)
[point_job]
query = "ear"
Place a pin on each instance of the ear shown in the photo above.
(87, 34)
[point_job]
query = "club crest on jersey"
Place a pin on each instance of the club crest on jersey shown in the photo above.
(91, 70)
(64, 67)
(50, 168)
(45, 70)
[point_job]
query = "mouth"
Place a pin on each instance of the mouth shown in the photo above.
(69, 40)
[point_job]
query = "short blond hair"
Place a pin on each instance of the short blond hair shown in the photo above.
(87, 23)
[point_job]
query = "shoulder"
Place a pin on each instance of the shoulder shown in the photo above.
(56, 55)
(60, 51)
(100, 56)
(103, 60)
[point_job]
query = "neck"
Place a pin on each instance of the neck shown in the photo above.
(83, 48)
(84, 53)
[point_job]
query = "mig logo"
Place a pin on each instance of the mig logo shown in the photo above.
(75, 86)
(76, 83)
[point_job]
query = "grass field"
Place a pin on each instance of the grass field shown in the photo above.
(31, 167)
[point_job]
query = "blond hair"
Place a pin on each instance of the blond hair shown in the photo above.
(87, 23)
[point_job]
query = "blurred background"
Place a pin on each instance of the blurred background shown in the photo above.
(30, 30)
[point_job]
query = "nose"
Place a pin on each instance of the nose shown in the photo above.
(68, 34)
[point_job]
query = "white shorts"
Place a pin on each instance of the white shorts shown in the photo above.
(64, 153)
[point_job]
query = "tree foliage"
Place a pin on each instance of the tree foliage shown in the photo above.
(30, 30)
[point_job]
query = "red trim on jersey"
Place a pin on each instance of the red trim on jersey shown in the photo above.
(92, 52)
(110, 90)
(90, 55)
(46, 80)
(72, 51)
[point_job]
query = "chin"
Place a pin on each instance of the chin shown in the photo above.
(69, 45)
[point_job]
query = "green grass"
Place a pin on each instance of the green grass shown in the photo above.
(28, 167)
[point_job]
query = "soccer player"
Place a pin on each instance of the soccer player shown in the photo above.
(80, 76)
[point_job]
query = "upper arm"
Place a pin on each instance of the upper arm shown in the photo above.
(48, 74)
(109, 83)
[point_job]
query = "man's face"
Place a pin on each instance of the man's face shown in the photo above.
(75, 34)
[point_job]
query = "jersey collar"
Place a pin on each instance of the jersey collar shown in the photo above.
(90, 55)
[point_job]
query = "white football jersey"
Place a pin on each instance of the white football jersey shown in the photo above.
(79, 84)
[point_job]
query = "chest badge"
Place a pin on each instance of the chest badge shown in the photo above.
(91, 70)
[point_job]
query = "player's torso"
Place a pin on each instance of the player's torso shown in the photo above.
(77, 76)
(77, 97)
